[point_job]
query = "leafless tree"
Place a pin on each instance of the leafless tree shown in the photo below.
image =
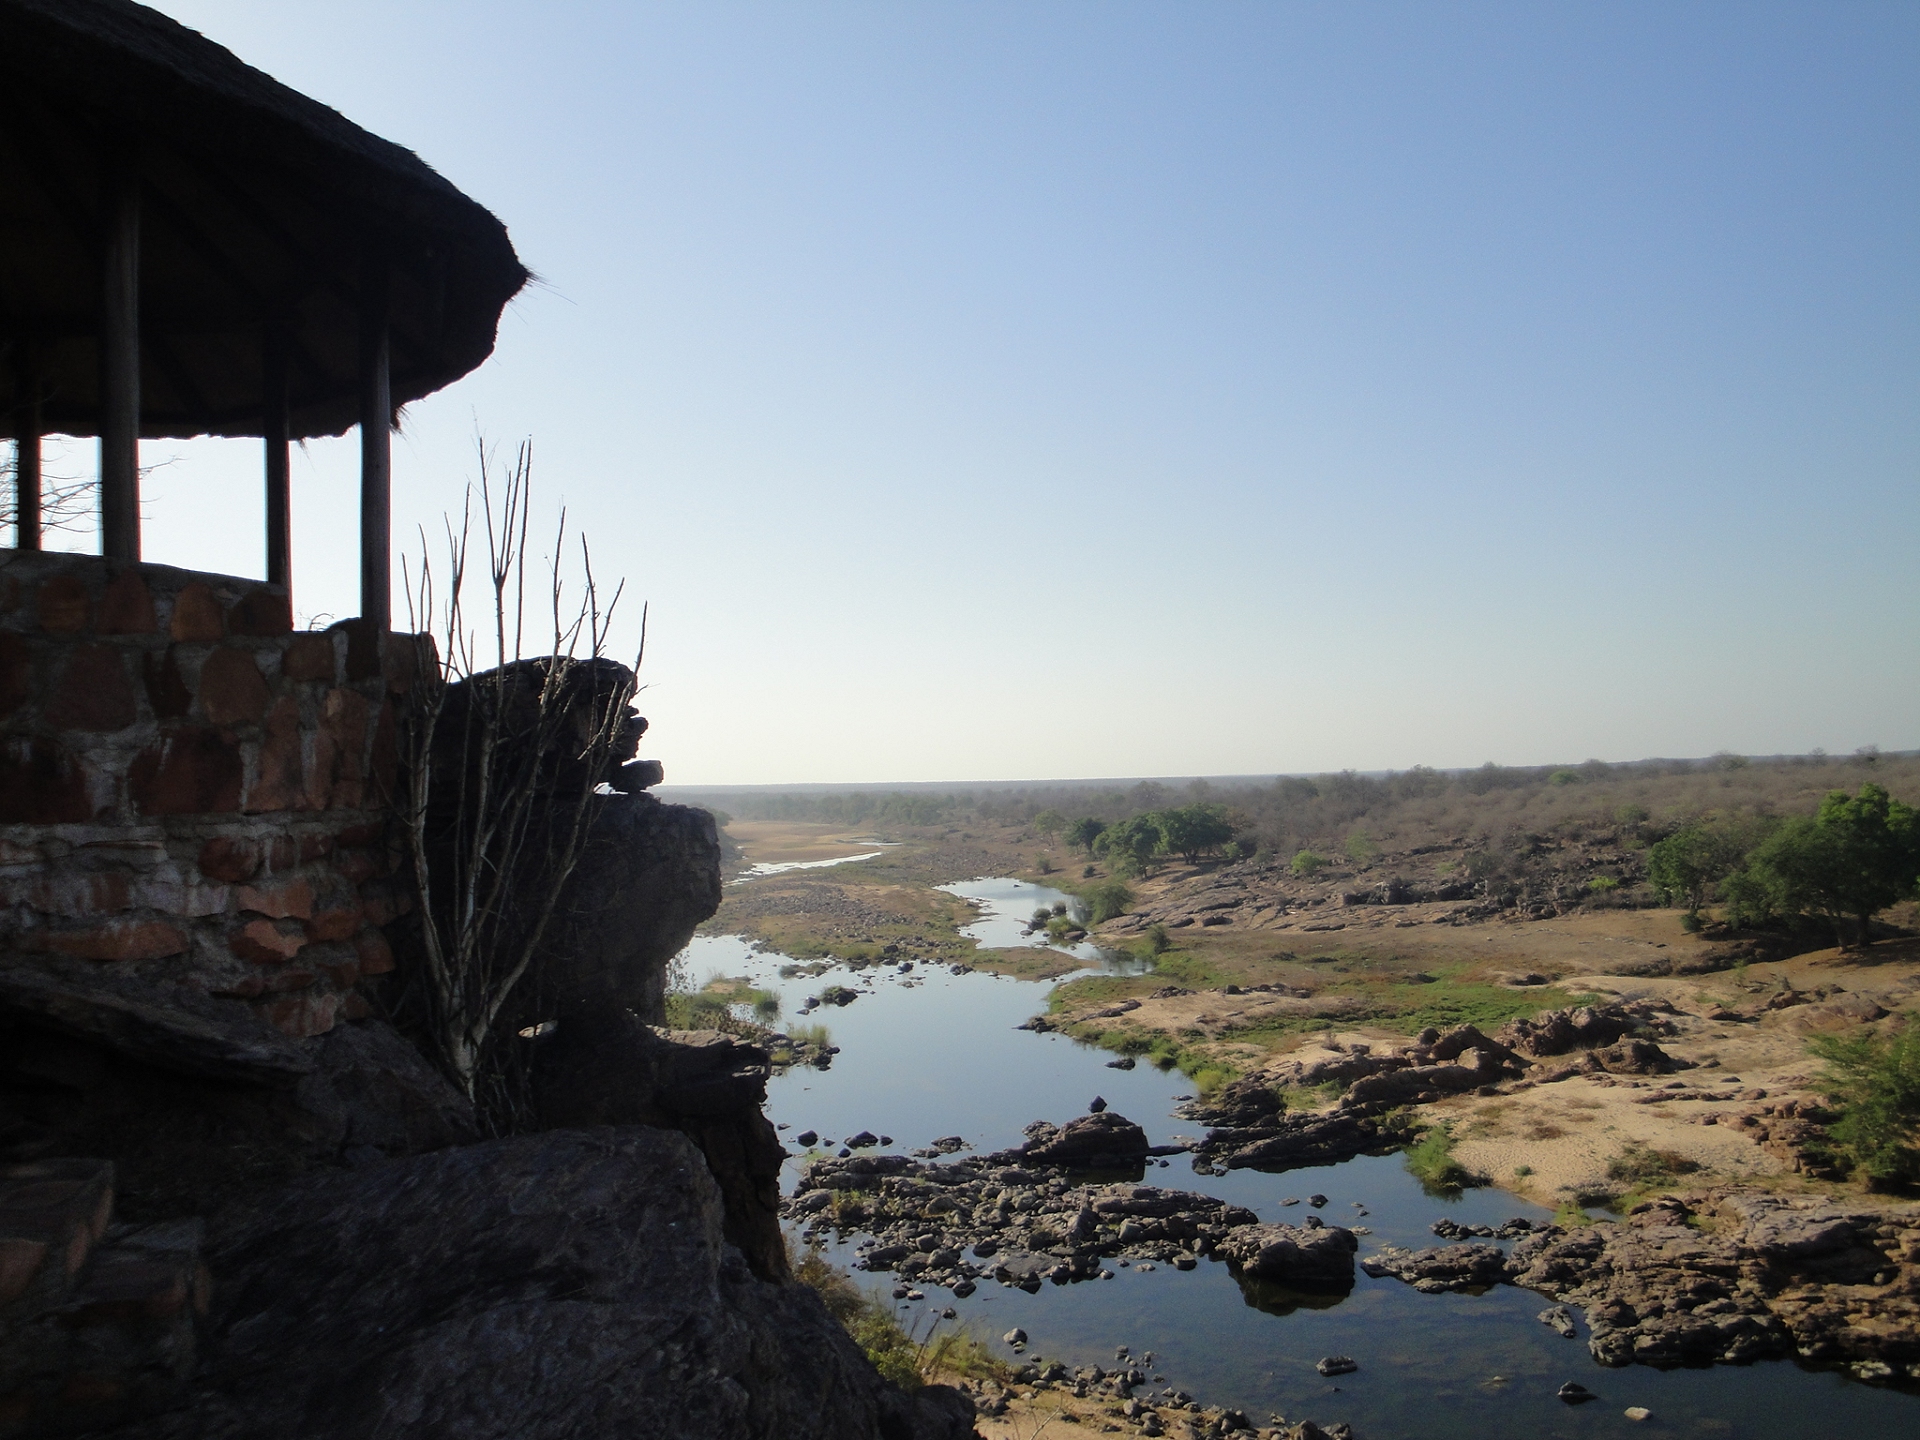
(503, 755)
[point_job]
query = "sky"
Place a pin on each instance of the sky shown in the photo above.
(1043, 390)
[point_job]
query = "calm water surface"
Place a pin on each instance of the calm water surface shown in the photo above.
(928, 1053)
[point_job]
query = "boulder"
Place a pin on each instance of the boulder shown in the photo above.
(1091, 1142)
(1295, 1256)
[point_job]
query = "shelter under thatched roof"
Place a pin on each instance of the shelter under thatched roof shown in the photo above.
(266, 222)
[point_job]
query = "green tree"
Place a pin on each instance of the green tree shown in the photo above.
(1195, 830)
(1133, 844)
(1684, 867)
(1858, 855)
(1874, 1080)
(1086, 833)
(1049, 823)
(1305, 863)
(1361, 848)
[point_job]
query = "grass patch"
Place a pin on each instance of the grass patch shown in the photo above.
(1570, 1216)
(907, 1359)
(1430, 1161)
(1309, 1097)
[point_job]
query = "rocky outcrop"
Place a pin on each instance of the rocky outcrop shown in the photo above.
(614, 1070)
(586, 1291)
(1584, 1027)
(1717, 1276)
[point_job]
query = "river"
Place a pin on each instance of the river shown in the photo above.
(927, 1053)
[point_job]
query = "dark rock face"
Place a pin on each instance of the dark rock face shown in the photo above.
(1292, 1255)
(587, 1291)
(184, 1142)
(172, 1027)
(609, 1069)
(649, 875)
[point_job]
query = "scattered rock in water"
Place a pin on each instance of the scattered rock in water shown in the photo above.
(864, 1140)
(806, 1137)
(1015, 1336)
(1638, 1412)
(1305, 1258)
(1337, 1365)
(1559, 1318)
(1125, 1062)
(1096, 1105)
(1575, 1393)
(1099, 1141)
(1316, 1201)
(1464, 1269)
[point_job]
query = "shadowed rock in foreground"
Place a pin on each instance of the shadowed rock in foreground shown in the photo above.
(559, 1308)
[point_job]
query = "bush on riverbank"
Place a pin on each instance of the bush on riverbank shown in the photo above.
(1430, 1161)
(1874, 1081)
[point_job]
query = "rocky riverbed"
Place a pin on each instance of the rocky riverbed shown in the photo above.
(1725, 1275)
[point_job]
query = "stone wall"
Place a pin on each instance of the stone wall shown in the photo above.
(190, 791)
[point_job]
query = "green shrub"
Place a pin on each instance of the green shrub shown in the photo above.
(1157, 941)
(1361, 848)
(1430, 1160)
(1639, 1165)
(1306, 863)
(1874, 1081)
(1108, 899)
(871, 1324)
(1601, 884)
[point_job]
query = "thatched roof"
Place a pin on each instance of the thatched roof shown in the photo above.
(258, 202)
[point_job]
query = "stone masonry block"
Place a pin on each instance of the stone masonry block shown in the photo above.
(42, 783)
(167, 690)
(232, 690)
(233, 858)
(196, 770)
(376, 955)
(94, 692)
(16, 672)
(63, 605)
(291, 901)
(304, 1015)
(126, 606)
(336, 922)
(263, 610)
(280, 770)
(196, 614)
(265, 943)
(309, 657)
(115, 940)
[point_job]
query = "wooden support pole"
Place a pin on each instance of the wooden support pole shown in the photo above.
(275, 431)
(376, 445)
(26, 449)
(120, 359)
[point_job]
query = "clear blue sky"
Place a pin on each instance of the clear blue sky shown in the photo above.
(1046, 390)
